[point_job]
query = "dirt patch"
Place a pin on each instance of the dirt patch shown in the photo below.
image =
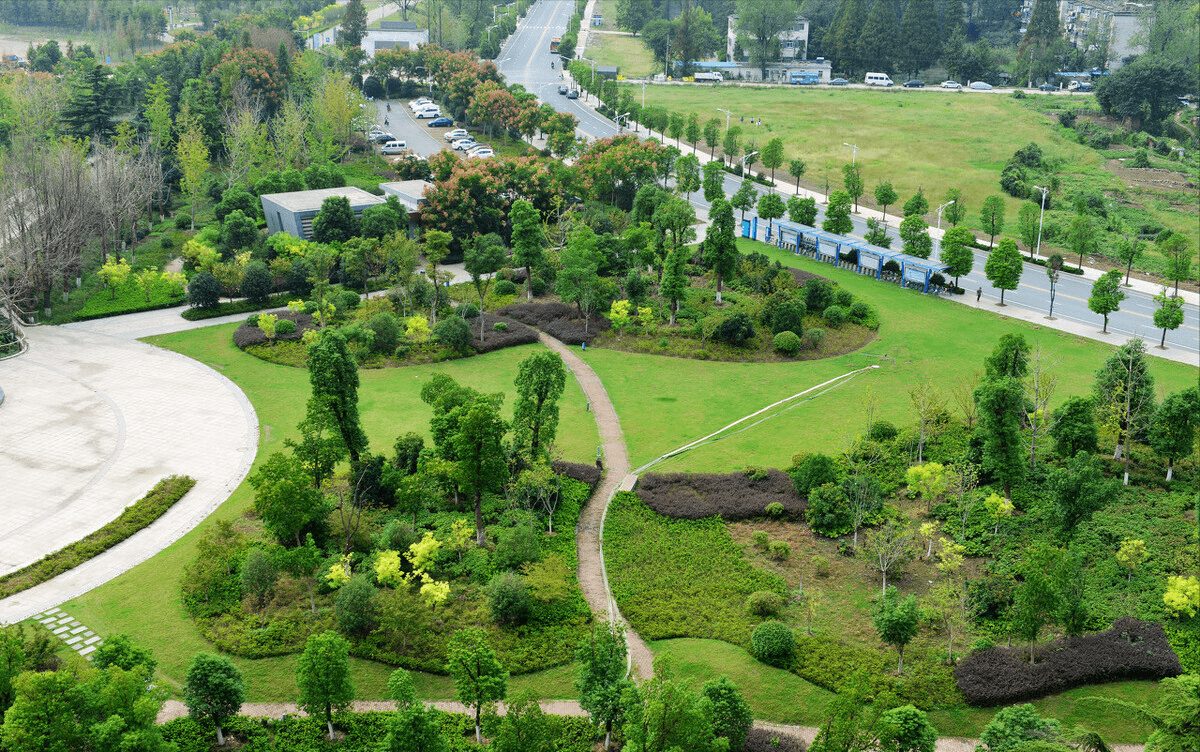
(1152, 178)
(734, 496)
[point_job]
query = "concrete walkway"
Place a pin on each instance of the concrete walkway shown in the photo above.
(92, 420)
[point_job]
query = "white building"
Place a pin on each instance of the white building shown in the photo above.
(1084, 20)
(394, 35)
(793, 41)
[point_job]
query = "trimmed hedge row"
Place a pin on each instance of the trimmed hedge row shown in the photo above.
(588, 474)
(1132, 649)
(559, 320)
(135, 517)
(733, 496)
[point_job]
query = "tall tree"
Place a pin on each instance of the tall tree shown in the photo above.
(1078, 490)
(956, 212)
(482, 260)
(601, 680)
(578, 279)
(957, 253)
(674, 283)
(920, 36)
(1168, 315)
(214, 691)
(1106, 295)
(745, 198)
(1124, 391)
(877, 43)
(796, 168)
(759, 25)
(885, 196)
(852, 180)
(1174, 426)
(771, 208)
(1004, 266)
(323, 676)
(848, 25)
(1082, 236)
(664, 714)
(478, 677)
(897, 620)
(354, 25)
(693, 130)
(1042, 37)
(713, 181)
(837, 214)
(772, 155)
(192, 154)
(731, 713)
(88, 113)
(991, 216)
(528, 240)
(478, 446)
(915, 234)
(333, 374)
(687, 175)
(712, 136)
(1001, 403)
(719, 247)
(540, 381)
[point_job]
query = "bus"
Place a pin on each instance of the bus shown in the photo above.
(554, 44)
(806, 77)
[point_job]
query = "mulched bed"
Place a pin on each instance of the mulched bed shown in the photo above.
(802, 276)
(247, 335)
(1132, 649)
(559, 320)
(517, 334)
(589, 474)
(734, 496)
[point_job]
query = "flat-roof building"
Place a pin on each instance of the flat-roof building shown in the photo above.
(293, 212)
(394, 35)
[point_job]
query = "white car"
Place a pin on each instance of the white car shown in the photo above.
(481, 154)
(432, 112)
(478, 147)
(463, 144)
(456, 135)
(951, 85)
(418, 103)
(981, 86)
(374, 134)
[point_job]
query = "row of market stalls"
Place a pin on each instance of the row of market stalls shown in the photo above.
(853, 253)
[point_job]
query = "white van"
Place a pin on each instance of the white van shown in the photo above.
(713, 76)
(878, 79)
(394, 147)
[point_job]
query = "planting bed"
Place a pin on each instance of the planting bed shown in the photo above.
(559, 320)
(733, 496)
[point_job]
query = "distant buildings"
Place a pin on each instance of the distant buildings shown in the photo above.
(293, 212)
(1083, 21)
(793, 41)
(402, 35)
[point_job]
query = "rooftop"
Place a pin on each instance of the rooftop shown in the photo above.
(299, 201)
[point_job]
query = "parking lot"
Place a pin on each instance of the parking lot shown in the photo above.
(406, 126)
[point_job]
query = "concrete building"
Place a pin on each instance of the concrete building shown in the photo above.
(1084, 21)
(411, 194)
(793, 41)
(394, 35)
(293, 212)
(787, 72)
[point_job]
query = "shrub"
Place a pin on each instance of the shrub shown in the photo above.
(735, 330)
(505, 287)
(1132, 649)
(468, 311)
(346, 300)
(829, 511)
(204, 291)
(788, 316)
(764, 603)
(779, 550)
(772, 642)
(454, 333)
(397, 535)
(774, 509)
(844, 298)
(499, 326)
(813, 338)
(537, 286)
(516, 546)
(558, 320)
(983, 643)
(882, 431)
(252, 319)
(299, 278)
(836, 315)
(820, 565)
(787, 343)
(355, 606)
(387, 332)
(733, 496)
(860, 312)
(508, 598)
(771, 740)
(760, 539)
(813, 470)
(166, 242)
(285, 326)
(1066, 118)
(257, 283)
(1141, 158)
(818, 295)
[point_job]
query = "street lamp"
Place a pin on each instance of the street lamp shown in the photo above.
(728, 114)
(744, 158)
(1052, 273)
(1039, 240)
(489, 31)
(623, 117)
(854, 156)
(940, 209)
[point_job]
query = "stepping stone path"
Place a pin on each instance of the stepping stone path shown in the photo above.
(81, 639)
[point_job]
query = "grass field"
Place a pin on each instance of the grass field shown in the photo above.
(626, 52)
(146, 605)
(665, 403)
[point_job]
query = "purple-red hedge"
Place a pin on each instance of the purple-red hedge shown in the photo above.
(589, 474)
(734, 496)
(559, 320)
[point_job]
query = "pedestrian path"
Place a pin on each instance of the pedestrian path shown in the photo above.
(80, 639)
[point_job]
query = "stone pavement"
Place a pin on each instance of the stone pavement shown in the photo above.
(92, 420)
(81, 639)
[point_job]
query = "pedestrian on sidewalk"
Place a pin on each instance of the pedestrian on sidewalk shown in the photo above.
(978, 294)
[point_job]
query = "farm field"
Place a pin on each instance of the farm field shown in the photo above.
(665, 403)
(147, 606)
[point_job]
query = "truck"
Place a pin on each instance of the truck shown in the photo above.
(710, 76)
(554, 44)
(807, 78)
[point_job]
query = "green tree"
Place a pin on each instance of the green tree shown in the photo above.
(379, 221)
(877, 44)
(482, 260)
(852, 180)
(601, 680)
(192, 155)
(1078, 490)
(731, 144)
(918, 204)
(920, 38)
(802, 210)
(730, 712)
(915, 233)
(771, 208)
(528, 240)
(198, 102)
(772, 156)
(851, 720)
(1004, 266)
(1106, 295)
(692, 132)
(119, 650)
(956, 212)
(578, 279)
(44, 716)
(1124, 391)
(687, 175)
(1147, 90)
(413, 729)
(663, 714)
(478, 445)
(713, 182)
(796, 168)
(540, 381)
(478, 676)
(1174, 426)
(1178, 253)
(897, 620)
(288, 506)
(719, 248)
(333, 374)
(877, 234)
(1008, 359)
(745, 198)
(335, 222)
(1037, 599)
(674, 283)
(88, 112)
(1081, 237)
(1073, 427)
(885, 196)
(957, 253)
(759, 26)
(524, 727)
(354, 25)
(991, 216)
(1027, 226)
(712, 136)
(906, 729)
(214, 691)
(1129, 250)
(1016, 725)
(1001, 403)
(847, 27)
(837, 214)
(323, 676)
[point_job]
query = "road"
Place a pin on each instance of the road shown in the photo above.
(525, 59)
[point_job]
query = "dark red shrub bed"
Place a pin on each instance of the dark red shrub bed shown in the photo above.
(589, 474)
(734, 496)
(801, 276)
(769, 740)
(559, 320)
(247, 335)
(516, 333)
(1132, 649)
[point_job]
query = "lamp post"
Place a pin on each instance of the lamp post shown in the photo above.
(744, 158)
(854, 155)
(1039, 240)
(728, 114)
(489, 31)
(1052, 274)
(620, 124)
(940, 209)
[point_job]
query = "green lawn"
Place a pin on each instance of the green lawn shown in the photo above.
(664, 403)
(628, 53)
(146, 605)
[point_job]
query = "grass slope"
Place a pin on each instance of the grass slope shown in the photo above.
(145, 604)
(664, 403)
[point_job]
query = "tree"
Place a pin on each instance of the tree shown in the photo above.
(853, 182)
(528, 240)
(991, 216)
(920, 41)
(712, 136)
(906, 729)
(333, 374)
(119, 650)
(478, 676)
(730, 712)
(1003, 267)
(957, 253)
(837, 214)
(802, 210)
(1078, 490)
(88, 112)
(1015, 725)
(1001, 404)
(1124, 391)
(731, 144)
(759, 25)
(214, 690)
(674, 283)
(579, 277)
(413, 729)
(540, 381)
(915, 233)
(719, 249)
(772, 156)
(918, 204)
(846, 29)
(771, 208)
(692, 132)
(745, 198)
(713, 182)
(877, 42)
(601, 680)
(1073, 427)
(335, 222)
(1027, 226)
(354, 25)
(1037, 600)
(663, 714)
(687, 174)
(482, 260)
(633, 15)
(888, 546)
(288, 506)
(885, 196)
(897, 620)
(44, 714)
(478, 447)
(323, 676)
(956, 212)
(796, 168)
(851, 722)
(192, 154)
(1146, 91)
(1178, 253)
(524, 726)
(1106, 295)
(1173, 428)
(1168, 315)
(1082, 237)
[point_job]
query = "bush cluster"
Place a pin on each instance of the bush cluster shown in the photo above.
(773, 643)
(511, 334)
(249, 334)
(733, 496)
(769, 740)
(559, 320)
(764, 603)
(589, 474)
(1132, 649)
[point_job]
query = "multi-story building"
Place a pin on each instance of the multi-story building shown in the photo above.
(1083, 21)
(793, 41)
(394, 35)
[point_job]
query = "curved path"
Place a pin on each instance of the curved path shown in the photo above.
(92, 422)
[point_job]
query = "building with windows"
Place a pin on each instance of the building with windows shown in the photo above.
(293, 212)
(394, 35)
(1087, 22)
(793, 41)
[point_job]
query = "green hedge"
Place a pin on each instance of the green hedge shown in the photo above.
(141, 514)
(279, 300)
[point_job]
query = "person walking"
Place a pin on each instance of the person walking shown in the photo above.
(978, 294)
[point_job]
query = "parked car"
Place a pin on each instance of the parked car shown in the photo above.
(383, 137)
(562, 88)
(462, 144)
(951, 85)
(981, 86)
(478, 147)
(433, 112)
(1048, 87)
(442, 122)
(914, 84)
(456, 135)
(481, 154)
(394, 147)
(838, 82)
(573, 94)
(418, 103)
